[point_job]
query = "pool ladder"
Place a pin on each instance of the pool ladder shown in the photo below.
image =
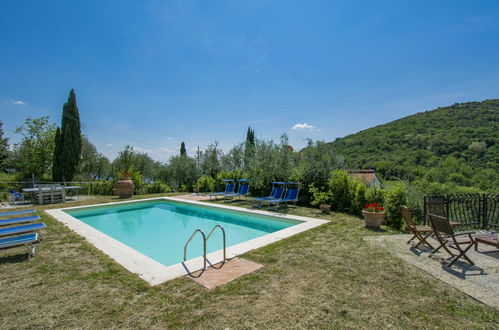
(205, 239)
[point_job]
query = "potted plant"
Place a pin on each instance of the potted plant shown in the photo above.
(124, 187)
(373, 215)
(321, 198)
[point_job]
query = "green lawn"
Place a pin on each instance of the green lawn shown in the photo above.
(327, 277)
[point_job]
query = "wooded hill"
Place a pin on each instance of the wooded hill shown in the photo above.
(456, 145)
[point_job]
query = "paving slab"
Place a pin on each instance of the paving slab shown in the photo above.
(223, 274)
(194, 197)
(480, 281)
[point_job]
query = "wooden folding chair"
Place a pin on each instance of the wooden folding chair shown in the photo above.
(444, 233)
(419, 232)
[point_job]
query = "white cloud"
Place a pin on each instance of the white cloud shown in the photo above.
(304, 127)
(18, 103)
(142, 150)
(167, 150)
(109, 145)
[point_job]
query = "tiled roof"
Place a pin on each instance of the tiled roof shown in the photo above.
(368, 176)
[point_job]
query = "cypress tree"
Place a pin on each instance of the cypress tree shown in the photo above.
(183, 152)
(56, 158)
(249, 147)
(250, 136)
(69, 141)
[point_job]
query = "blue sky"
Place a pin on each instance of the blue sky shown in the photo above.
(155, 73)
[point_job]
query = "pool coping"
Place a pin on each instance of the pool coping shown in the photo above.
(156, 273)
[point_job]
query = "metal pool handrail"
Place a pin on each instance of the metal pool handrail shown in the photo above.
(224, 240)
(204, 245)
(205, 238)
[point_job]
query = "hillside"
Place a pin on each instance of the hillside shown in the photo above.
(456, 145)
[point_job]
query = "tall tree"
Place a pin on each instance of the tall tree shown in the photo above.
(33, 155)
(92, 164)
(182, 171)
(70, 141)
(183, 152)
(211, 160)
(4, 148)
(249, 147)
(250, 136)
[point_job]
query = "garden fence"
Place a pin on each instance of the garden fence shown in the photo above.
(473, 211)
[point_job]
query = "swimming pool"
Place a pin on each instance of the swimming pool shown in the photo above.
(148, 236)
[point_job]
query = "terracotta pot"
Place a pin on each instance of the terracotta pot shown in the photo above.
(373, 219)
(325, 208)
(124, 188)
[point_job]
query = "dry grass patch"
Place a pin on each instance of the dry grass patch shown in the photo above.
(325, 277)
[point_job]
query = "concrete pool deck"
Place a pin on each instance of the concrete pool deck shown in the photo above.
(156, 273)
(480, 281)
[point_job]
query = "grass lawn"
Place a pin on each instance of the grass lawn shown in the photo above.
(327, 277)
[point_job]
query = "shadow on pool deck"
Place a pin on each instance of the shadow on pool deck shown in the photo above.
(480, 281)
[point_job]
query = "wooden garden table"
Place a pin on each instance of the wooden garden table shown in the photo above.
(488, 240)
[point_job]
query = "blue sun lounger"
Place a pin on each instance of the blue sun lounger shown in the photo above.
(34, 227)
(27, 240)
(13, 221)
(276, 193)
(243, 190)
(229, 188)
(291, 195)
(6, 214)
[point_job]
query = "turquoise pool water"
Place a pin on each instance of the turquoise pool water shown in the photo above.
(159, 229)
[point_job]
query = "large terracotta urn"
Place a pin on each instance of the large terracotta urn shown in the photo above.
(373, 219)
(325, 208)
(124, 187)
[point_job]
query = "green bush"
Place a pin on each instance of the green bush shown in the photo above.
(319, 196)
(98, 188)
(342, 188)
(205, 184)
(375, 195)
(156, 188)
(395, 198)
(360, 198)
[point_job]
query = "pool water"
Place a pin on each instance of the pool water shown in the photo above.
(159, 229)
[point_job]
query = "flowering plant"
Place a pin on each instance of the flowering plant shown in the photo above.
(374, 207)
(126, 175)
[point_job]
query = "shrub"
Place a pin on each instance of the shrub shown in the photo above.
(375, 195)
(319, 196)
(205, 183)
(342, 190)
(395, 198)
(360, 198)
(156, 188)
(98, 188)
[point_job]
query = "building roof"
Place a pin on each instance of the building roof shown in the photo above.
(368, 176)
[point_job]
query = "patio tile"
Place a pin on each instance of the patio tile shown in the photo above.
(232, 269)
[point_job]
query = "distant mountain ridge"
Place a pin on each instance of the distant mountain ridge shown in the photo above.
(456, 145)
